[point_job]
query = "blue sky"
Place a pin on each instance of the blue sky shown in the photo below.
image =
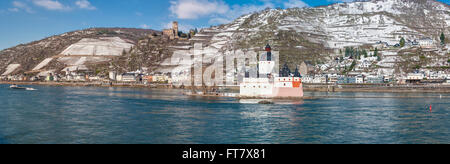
(24, 21)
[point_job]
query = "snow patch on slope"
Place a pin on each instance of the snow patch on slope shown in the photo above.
(106, 46)
(42, 64)
(10, 69)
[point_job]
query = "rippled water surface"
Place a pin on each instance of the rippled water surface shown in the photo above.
(125, 115)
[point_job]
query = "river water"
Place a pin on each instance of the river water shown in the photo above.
(129, 115)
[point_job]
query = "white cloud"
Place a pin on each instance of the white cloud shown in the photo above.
(144, 26)
(13, 9)
(181, 26)
(341, 1)
(85, 4)
(219, 21)
(18, 6)
(239, 10)
(193, 9)
(217, 11)
(50, 4)
(295, 3)
(57, 5)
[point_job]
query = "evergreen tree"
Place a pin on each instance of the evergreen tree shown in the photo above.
(365, 53)
(358, 54)
(347, 51)
(131, 50)
(442, 38)
(376, 52)
(183, 35)
(352, 52)
(402, 42)
(297, 73)
(352, 66)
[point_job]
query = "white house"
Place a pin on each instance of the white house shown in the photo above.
(364, 64)
(94, 78)
(320, 80)
(359, 79)
(442, 75)
(128, 77)
(332, 78)
(163, 78)
(415, 76)
(380, 45)
(324, 67)
(112, 75)
(307, 79)
(426, 43)
(371, 59)
(388, 78)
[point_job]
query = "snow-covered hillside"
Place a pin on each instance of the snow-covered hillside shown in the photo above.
(350, 24)
(316, 34)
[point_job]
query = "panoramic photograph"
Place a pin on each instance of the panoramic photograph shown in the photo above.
(247, 72)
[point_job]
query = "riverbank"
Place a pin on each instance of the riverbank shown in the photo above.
(307, 87)
(378, 88)
(90, 84)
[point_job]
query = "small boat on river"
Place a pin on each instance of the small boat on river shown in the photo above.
(17, 87)
(14, 86)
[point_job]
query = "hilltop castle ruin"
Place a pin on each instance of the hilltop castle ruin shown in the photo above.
(172, 33)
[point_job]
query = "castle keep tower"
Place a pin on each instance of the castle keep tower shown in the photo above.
(175, 28)
(172, 33)
(267, 66)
